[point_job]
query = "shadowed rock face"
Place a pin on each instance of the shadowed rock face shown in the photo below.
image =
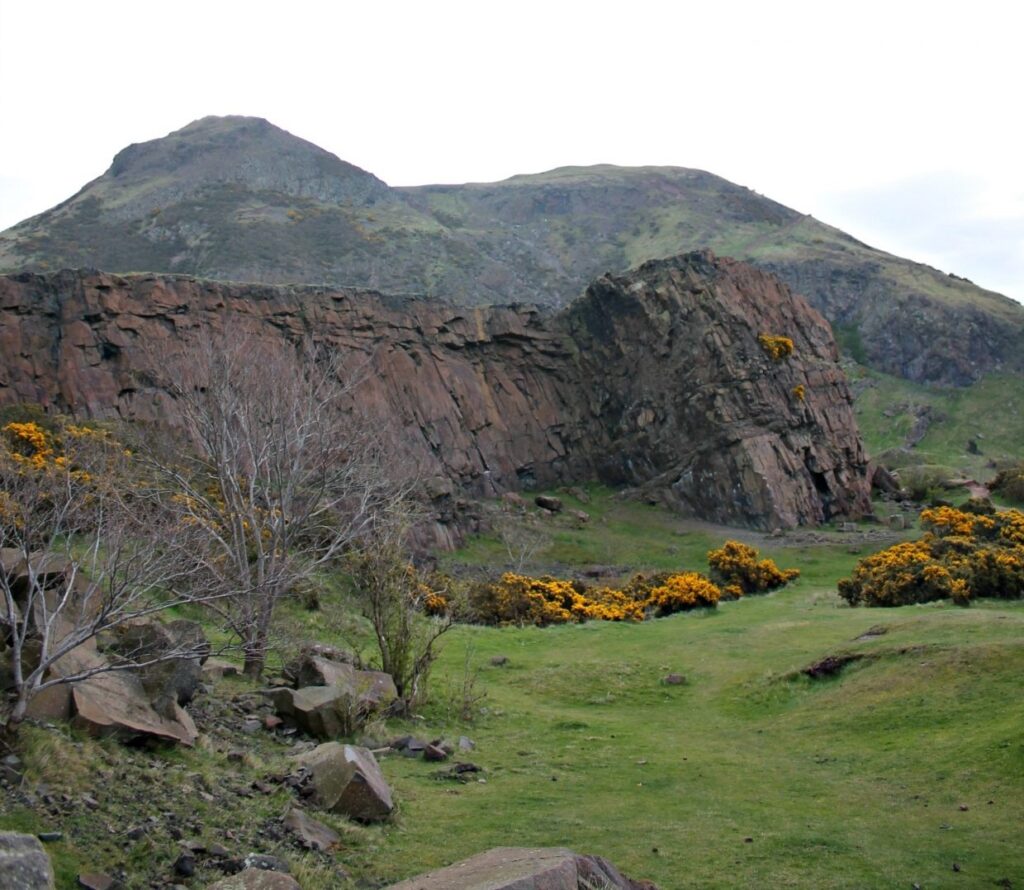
(655, 378)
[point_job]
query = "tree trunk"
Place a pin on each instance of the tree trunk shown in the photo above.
(9, 728)
(255, 659)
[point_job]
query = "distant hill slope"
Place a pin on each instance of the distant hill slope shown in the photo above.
(238, 199)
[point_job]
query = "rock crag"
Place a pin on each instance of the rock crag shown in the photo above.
(655, 378)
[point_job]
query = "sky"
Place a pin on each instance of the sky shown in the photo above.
(899, 122)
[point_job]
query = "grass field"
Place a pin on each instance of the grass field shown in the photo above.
(907, 765)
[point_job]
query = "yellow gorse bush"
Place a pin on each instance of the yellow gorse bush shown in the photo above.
(520, 599)
(776, 347)
(961, 556)
(681, 592)
(736, 566)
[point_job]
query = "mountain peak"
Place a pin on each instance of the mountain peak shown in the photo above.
(246, 151)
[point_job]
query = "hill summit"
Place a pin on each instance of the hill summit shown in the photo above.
(236, 198)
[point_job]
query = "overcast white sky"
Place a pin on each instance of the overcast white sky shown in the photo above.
(897, 121)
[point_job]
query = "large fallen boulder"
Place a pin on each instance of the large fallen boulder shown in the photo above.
(346, 779)
(334, 699)
(372, 688)
(169, 679)
(115, 703)
(526, 868)
(23, 863)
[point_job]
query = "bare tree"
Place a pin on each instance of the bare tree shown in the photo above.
(522, 537)
(279, 472)
(83, 550)
(393, 595)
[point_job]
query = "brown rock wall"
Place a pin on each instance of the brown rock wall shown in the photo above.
(654, 378)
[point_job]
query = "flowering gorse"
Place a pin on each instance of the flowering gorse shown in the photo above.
(962, 555)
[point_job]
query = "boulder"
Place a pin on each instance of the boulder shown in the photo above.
(115, 703)
(346, 779)
(173, 681)
(312, 834)
(373, 689)
(546, 502)
(257, 879)
(24, 863)
(520, 868)
(339, 709)
(218, 668)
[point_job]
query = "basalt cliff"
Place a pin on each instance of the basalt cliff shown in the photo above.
(655, 379)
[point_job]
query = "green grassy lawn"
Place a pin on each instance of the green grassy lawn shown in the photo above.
(850, 782)
(854, 781)
(749, 774)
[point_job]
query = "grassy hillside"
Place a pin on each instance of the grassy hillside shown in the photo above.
(989, 414)
(908, 764)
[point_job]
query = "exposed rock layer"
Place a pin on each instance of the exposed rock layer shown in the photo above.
(655, 378)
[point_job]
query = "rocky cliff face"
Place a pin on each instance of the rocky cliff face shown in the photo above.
(239, 199)
(655, 378)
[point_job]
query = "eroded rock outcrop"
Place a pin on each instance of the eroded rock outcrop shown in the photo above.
(655, 378)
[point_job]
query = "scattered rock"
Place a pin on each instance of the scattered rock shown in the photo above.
(346, 779)
(499, 660)
(435, 754)
(185, 865)
(96, 881)
(882, 480)
(549, 503)
(256, 879)
(516, 868)
(897, 522)
(264, 862)
(312, 834)
(673, 679)
(831, 665)
(466, 743)
(458, 772)
(117, 704)
(24, 863)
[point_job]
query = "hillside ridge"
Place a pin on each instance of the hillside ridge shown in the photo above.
(240, 199)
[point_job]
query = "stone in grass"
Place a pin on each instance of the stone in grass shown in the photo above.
(546, 502)
(673, 680)
(435, 754)
(515, 868)
(346, 779)
(96, 881)
(257, 879)
(266, 862)
(23, 862)
(313, 835)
